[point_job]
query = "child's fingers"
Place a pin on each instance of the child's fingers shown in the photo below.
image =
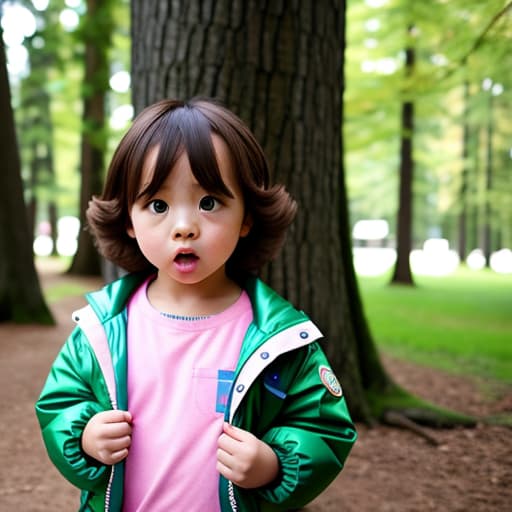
(116, 430)
(117, 444)
(227, 444)
(114, 416)
(112, 424)
(235, 432)
(224, 458)
(118, 456)
(224, 470)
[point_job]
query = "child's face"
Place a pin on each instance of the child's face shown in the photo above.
(186, 232)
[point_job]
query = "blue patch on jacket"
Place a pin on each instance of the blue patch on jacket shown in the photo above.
(272, 383)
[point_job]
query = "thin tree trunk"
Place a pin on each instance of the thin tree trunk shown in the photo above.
(402, 273)
(474, 215)
(32, 202)
(486, 227)
(52, 216)
(463, 192)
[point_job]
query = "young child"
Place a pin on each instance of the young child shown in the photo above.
(189, 384)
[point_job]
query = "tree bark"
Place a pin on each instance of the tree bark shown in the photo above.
(486, 242)
(279, 66)
(463, 193)
(21, 299)
(402, 273)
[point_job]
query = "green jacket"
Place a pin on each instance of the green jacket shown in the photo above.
(283, 392)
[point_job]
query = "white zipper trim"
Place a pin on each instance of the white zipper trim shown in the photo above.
(108, 490)
(231, 495)
(95, 333)
(291, 338)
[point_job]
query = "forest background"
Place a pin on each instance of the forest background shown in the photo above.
(425, 138)
(460, 88)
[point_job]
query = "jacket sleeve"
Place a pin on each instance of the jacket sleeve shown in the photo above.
(314, 437)
(74, 392)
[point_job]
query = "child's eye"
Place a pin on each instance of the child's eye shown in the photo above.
(158, 206)
(208, 203)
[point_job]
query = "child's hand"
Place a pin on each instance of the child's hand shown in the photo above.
(107, 436)
(244, 459)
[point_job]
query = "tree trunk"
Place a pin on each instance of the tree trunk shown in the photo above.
(97, 33)
(21, 299)
(35, 119)
(31, 204)
(474, 182)
(279, 65)
(402, 273)
(463, 192)
(486, 242)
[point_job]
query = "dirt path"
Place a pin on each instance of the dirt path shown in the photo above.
(388, 470)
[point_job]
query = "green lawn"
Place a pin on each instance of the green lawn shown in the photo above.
(461, 323)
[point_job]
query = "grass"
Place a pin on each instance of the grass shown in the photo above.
(61, 291)
(460, 323)
(61, 288)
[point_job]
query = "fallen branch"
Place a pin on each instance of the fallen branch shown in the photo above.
(396, 419)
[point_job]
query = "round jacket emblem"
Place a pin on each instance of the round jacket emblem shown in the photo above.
(330, 381)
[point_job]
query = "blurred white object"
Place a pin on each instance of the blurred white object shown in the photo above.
(476, 259)
(372, 229)
(436, 258)
(43, 245)
(373, 261)
(67, 240)
(501, 261)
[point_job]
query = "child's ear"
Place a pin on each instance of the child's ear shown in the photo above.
(246, 225)
(130, 231)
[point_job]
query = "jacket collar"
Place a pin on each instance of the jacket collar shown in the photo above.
(111, 300)
(271, 312)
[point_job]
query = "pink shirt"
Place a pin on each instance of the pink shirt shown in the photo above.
(179, 376)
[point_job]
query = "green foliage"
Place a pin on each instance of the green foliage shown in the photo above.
(455, 41)
(460, 323)
(56, 72)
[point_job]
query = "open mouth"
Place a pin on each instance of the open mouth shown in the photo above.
(185, 258)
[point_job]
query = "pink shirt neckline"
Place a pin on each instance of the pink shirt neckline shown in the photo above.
(232, 311)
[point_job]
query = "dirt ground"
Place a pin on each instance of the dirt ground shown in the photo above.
(388, 470)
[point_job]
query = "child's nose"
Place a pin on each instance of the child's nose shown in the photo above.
(185, 228)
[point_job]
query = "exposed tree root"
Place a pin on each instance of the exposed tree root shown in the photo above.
(429, 415)
(503, 419)
(396, 419)
(397, 407)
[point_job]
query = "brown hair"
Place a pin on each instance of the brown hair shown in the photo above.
(176, 126)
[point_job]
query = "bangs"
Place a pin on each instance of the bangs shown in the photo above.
(185, 129)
